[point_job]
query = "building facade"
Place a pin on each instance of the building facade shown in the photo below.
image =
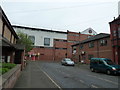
(89, 31)
(51, 45)
(115, 38)
(11, 52)
(98, 46)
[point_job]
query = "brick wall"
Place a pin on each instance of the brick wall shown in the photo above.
(61, 47)
(97, 51)
(1, 25)
(45, 53)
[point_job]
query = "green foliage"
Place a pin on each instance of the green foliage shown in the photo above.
(8, 65)
(3, 70)
(24, 39)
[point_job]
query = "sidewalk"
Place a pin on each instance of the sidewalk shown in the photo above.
(33, 77)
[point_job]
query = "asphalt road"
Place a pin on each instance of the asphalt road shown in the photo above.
(78, 76)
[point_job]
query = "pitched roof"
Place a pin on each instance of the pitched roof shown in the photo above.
(87, 30)
(4, 17)
(96, 37)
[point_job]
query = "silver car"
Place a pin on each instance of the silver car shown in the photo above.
(67, 61)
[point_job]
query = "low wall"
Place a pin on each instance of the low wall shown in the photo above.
(9, 78)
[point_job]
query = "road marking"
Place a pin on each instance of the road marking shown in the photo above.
(103, 79)
(93, 86)
(50, 78)
(82, 81)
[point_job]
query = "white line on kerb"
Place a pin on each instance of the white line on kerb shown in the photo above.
(51, 79)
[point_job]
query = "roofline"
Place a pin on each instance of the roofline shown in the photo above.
(4, 17)
(116, 19)
(90, 28)
(38, 29)
(90, 40)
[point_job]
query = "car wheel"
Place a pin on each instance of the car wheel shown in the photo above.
(92, 69)
(108, 72)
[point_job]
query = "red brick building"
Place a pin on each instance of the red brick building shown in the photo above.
(52, 45)
(11, 51)
(115, 38)
(62, 48)
(98, 46)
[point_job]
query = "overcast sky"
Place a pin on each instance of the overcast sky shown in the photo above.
(73, 15)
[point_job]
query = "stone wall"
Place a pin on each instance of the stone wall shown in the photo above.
(9, 79)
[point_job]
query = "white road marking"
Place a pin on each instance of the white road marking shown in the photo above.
(50, 78)
(93, 86)
(103, 79)
(82, 81)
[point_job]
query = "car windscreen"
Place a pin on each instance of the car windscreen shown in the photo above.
(109, 62)
(67, 59)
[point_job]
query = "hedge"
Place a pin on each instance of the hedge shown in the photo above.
(6, 67)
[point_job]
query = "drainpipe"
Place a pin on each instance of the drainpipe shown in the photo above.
(97, 49)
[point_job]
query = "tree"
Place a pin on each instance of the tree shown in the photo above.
(24, 40)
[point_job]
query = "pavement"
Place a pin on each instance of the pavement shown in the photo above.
(33, 77)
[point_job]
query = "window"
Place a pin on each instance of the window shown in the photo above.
(103, 42)
(32, 38)
(81, 46)
(101, 62)
(74, 50)
(91, 44)
(61, 48)
(89, 36)
(47, 41)
(119, 32)
(114, 33)
(61, 40)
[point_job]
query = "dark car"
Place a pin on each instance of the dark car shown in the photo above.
(67, 61)
(104, 65)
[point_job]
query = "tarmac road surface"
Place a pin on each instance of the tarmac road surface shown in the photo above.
(39, 74)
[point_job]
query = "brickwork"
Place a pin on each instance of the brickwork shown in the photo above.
(61, 47)
(45, 53)
(98, 50)
(115, 37)
(1, 25)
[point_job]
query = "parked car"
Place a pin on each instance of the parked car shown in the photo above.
(104, 65)
(67, 61)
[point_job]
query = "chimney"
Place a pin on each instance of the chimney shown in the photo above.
(114, 18)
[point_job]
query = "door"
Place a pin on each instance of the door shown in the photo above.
(101, 66)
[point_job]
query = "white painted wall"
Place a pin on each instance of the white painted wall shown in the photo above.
(40, 35)
(87, 32)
